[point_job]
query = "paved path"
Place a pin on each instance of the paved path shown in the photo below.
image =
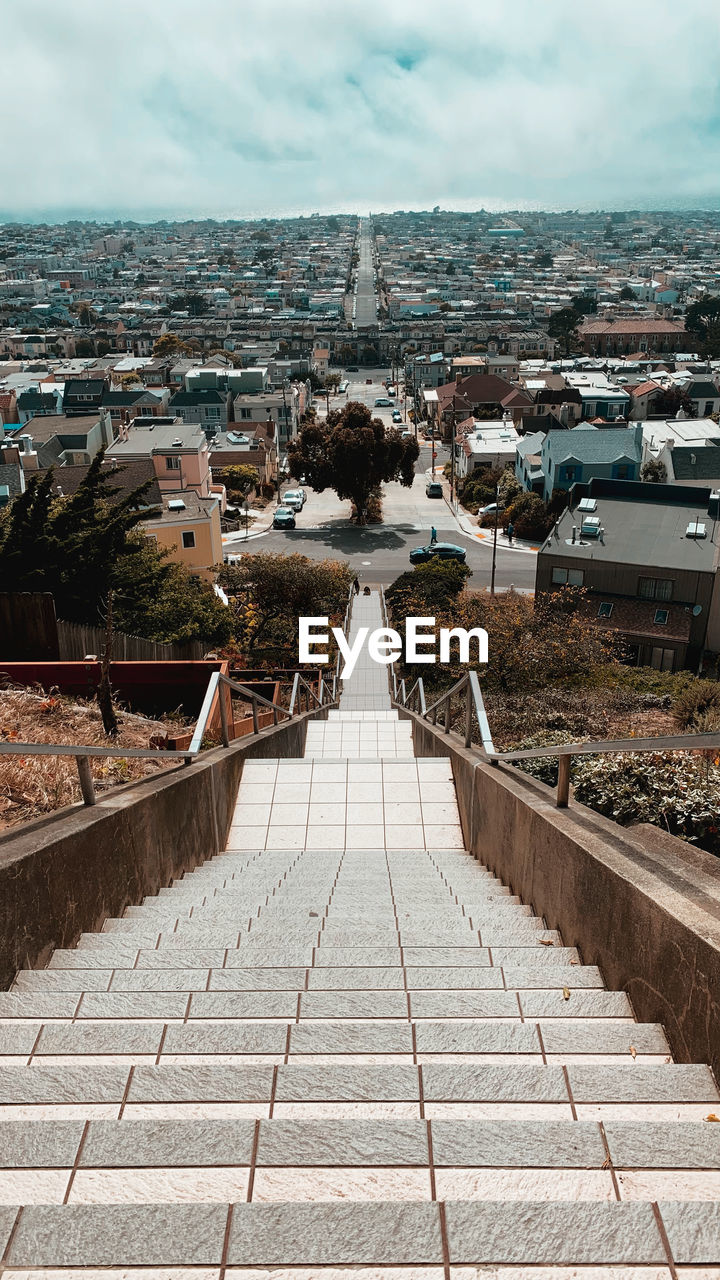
(311, 1059)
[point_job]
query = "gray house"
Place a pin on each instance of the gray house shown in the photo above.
(587, 453)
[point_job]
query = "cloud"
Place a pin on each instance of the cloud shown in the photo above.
(241, 108)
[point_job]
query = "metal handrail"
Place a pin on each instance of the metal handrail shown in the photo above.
(83, 754)
(564, 751)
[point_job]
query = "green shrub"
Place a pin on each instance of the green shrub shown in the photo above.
(672, 790)
(697, 704)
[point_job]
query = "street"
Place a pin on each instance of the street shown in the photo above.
(366, 294)
(379, 553)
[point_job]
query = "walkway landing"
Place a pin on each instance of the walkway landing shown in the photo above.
(310, 1059)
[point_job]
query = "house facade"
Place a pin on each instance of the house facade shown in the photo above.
(647, 556)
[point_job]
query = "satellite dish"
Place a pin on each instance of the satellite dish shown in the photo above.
(697, 610)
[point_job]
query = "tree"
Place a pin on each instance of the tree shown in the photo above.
(702, 319)
(427, 589)
(84, 347)
(450, 270)
(346, 354)
(332, 380)
(563, 325)
(653, 471)
(626, 294)
(543, 258)
(584, 304)
(240, 479)
(272, 591)
(352, 453)
(194, 303)
(672, 401)
(169, 344)
(82, 547)
(530, 517)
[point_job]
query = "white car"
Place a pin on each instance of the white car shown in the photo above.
(294, 498)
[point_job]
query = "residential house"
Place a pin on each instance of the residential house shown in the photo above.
(123, 406)
(188, 526)
(483, 394)
(584, 453)
(686, 447)
(39, 402)
(205, 406)
(280, 407)
(57, 440)
(647, 555)
(528, 461)
(8, 407)
(253, 448)
(485, 444)
(705, 398)
(179, 451)
(83, 396)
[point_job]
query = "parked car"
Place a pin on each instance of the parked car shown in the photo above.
(295, 499)
(352, 368)
(491, 508)
(368, 382)
(408, 435)
(433, 489)
(396, 416)
(382, 402)
(284, 518)
(437, 551)
(391, 391)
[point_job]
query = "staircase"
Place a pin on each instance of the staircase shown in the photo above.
(343, 1049)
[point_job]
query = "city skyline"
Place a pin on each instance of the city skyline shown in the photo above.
(281, 109)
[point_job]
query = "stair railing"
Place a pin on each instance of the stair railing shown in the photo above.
(468, 689)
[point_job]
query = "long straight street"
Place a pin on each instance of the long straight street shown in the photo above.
(366, 311)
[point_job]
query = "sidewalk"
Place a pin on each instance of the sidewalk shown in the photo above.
(467, 523)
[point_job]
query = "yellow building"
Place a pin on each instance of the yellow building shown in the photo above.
(189, 528)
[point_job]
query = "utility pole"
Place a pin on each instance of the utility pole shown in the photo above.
(494, 555)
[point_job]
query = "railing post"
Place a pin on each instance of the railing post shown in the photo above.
(468, 718)
(256, 726)
(563, 784)
(86, 779)
(447, 714)
(223, 717)
(275, 714)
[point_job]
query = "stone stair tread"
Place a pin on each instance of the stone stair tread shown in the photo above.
(292, 1057)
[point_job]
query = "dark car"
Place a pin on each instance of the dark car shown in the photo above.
(437, 551)
(352, 368)
(284, 518)
(433, 489)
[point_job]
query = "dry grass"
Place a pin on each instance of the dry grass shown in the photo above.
(589, 714)
(31, 786)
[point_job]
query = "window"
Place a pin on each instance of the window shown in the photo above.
(622, 471)
(188, 538)
(709, 404)
(572, 473)
(605, 610)
(655, 588)
(662, 659)
(172, 463)
(661, 617)
(568, 577)
(246, 413)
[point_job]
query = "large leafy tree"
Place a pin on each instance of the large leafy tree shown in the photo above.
(272, 591)
(85, 546)
(563, 325)
(352, 453)
(702, 319)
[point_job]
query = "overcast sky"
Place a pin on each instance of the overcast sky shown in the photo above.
(244, 108)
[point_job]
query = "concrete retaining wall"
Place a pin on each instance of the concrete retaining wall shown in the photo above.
(64, 875)
(639, 903)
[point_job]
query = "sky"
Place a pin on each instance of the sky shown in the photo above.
(262, 108)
